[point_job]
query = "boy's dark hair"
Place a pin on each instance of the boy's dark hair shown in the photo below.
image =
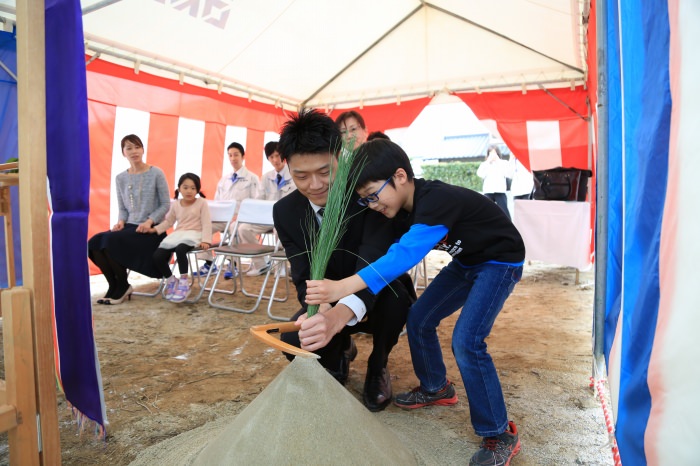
(270, 148)
(377, 135)
(381, 159)
(350, 113)
(132, 138)
(236, 145)
(195, 179)
(309, 132)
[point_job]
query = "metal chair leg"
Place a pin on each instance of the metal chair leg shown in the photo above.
(281, 265)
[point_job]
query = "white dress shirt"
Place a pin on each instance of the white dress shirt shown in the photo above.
(356, 305)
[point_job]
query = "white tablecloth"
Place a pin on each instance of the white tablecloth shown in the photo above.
(556, 232)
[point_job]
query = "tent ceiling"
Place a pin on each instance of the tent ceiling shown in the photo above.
(323, 53)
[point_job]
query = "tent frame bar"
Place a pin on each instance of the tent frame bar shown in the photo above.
(208, 79)
(180, 70)
(602, 186)
(98, 6)
(478, 89)
(8, 70)
(563, 103)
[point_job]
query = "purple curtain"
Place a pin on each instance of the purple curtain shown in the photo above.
(68, 165)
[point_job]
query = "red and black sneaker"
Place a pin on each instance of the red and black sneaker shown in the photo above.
(498, 450)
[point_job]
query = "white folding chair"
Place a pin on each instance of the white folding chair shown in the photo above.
(252, 211)
(278, 266)
(219, 211)
(420, 271)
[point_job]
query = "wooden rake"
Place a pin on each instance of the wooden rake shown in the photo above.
(264, 334)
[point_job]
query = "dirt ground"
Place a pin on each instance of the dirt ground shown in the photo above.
(173, 375)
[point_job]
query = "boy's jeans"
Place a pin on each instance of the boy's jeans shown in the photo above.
(482, 290)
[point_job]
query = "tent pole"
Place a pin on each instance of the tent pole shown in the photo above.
(601, 249)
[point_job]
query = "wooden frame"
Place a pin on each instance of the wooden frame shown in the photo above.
(17, 391)
(28, 319)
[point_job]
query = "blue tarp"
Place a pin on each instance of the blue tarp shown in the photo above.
(8, 145)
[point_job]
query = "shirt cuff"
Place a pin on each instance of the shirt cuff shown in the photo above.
(357, 306)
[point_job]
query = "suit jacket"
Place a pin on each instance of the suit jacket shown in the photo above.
(369, 235)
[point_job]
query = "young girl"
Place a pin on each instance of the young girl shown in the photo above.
(193, 230)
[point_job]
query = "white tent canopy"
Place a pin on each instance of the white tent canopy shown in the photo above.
(326, 54)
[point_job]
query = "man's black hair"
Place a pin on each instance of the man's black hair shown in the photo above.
(270, 148)
(236, 145)
(381, 159)
(309, 132)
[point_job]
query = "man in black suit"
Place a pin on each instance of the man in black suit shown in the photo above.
(307, 143)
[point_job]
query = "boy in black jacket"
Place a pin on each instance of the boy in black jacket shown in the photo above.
(488, 255)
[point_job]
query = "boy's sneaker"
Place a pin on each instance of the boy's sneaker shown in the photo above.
(182, 290)
(417, 398)
(170, 287)
(204, 270)
(499, 450)
(229, 274)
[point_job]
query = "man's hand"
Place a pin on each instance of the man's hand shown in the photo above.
(317, 331)
(118, 226)
(330, 291)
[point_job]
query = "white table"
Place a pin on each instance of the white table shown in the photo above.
(557, 232)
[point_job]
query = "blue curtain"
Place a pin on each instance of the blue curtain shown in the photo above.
(639, 129)
(8, 147)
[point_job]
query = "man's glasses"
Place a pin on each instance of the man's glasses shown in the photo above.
(374, 197)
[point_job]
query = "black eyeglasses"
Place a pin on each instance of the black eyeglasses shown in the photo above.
(374, 197)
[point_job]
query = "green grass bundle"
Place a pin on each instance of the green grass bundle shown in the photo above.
(344, 177)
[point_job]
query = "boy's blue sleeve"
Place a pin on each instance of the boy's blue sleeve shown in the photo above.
(413, 246)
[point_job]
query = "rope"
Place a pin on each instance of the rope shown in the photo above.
(600, 391)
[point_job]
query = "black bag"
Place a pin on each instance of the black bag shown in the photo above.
(561, 184)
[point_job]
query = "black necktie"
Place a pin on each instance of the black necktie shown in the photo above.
(320, 211)
(234, 178)
(279, 181)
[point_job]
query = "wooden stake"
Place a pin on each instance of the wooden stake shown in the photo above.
(31, 100)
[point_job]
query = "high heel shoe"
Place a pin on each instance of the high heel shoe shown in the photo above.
(106, 297)
(126, 295)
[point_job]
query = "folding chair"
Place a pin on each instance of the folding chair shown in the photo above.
(219, 211)
(252, 211)
(420, 270)
(278, 263)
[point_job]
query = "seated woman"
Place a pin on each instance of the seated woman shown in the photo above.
(143, 196)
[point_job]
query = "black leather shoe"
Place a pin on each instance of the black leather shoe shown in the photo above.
(377, 392)
(349, 355)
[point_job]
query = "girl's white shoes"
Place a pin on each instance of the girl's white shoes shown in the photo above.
(182, 290)
(170, 287)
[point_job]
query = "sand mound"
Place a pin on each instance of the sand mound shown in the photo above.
(303, 417)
